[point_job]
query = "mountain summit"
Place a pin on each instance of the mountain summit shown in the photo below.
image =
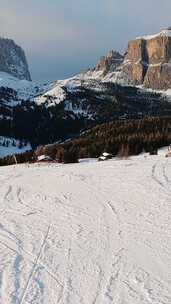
(13, 59)
(110, 62)
(148, 61)
(55, 111)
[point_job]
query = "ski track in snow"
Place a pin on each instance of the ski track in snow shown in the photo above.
(91, 233)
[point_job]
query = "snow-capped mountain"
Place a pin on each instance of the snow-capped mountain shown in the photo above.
(42, 113)
(46, 113)
(148, 61)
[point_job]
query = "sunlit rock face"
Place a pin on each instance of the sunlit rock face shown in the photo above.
(148, 61)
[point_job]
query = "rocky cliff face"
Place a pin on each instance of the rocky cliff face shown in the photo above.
(110, 62)
(148, 61)
(13, 60)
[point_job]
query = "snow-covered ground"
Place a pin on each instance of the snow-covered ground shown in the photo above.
(90, 233)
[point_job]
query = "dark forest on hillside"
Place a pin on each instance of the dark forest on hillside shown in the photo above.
(120, 138)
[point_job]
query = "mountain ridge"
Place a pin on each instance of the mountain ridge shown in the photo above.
(148, 61)
(42, 113)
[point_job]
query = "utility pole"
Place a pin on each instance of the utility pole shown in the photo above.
(15, 159)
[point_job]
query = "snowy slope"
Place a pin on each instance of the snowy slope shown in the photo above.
(52, 97)
(25, 89)
(10, 146)
(56, 93)
(53, 93)
(90, 233)
(116, 76)
(94, 80)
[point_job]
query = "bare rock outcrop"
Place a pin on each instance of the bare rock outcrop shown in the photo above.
(110, 62)
(13, 59)
(148, 61)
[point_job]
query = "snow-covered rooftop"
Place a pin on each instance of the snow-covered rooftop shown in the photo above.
(43, 157)
(106, 154)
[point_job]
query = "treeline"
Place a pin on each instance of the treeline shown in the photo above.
(83, 108)
(122, 138)
(25, 157)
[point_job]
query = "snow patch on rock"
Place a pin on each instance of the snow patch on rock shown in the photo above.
(165, 32)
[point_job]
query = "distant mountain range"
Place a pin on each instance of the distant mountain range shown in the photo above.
(135, 85)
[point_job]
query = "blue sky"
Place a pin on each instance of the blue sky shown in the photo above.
(63, 37)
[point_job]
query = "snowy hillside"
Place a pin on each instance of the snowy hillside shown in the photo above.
(53, 93)
(10, 146)
(56, 93)
(86, 233)
(25, 89)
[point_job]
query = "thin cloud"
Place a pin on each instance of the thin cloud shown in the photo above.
(62, 37)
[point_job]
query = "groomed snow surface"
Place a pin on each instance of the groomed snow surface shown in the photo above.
(88, 233)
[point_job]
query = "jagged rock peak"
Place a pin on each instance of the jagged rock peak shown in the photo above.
(109, 62)
(13, 59)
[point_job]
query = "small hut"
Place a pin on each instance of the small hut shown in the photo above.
(105, 156)
(44, 158)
